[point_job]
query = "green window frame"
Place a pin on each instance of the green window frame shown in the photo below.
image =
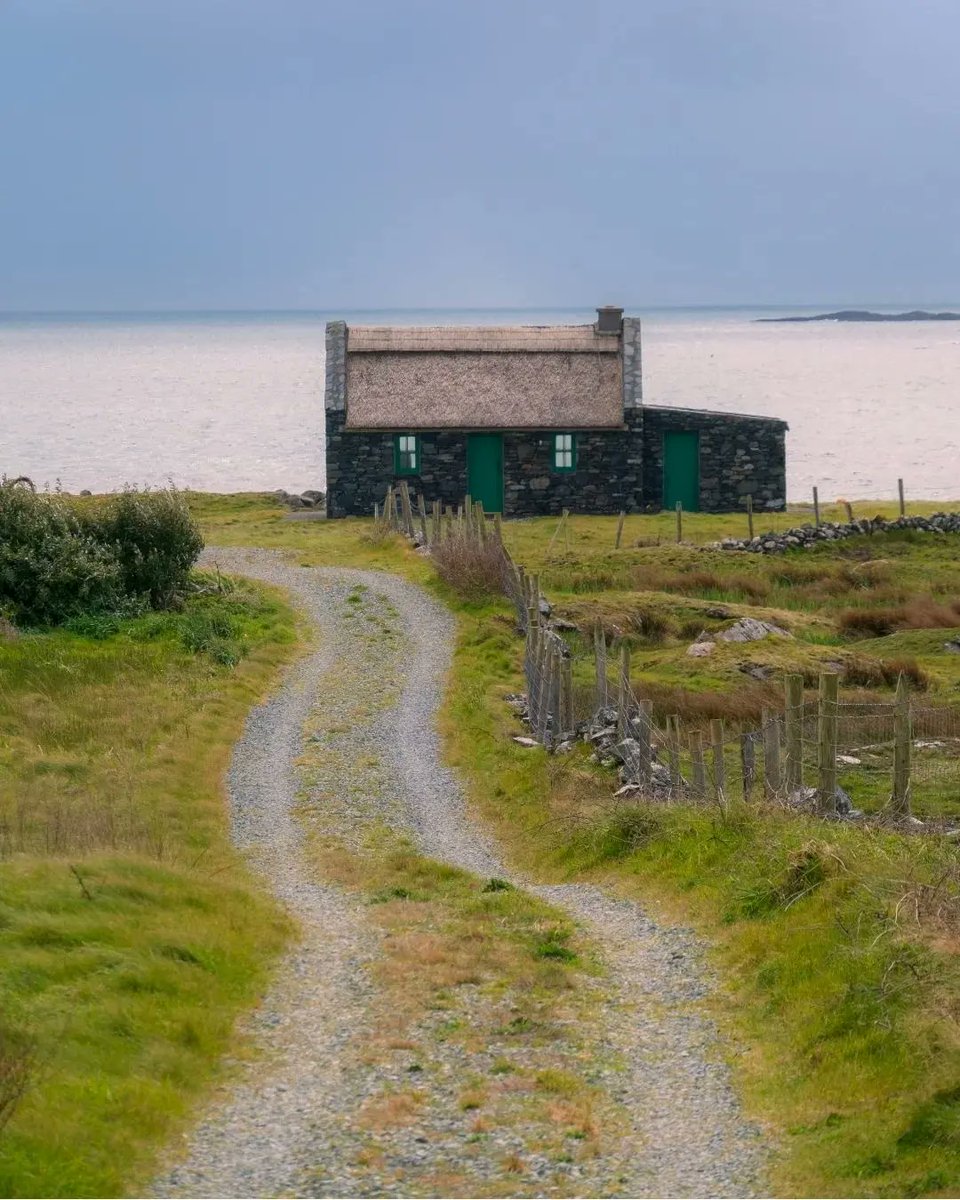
(564, 452)
(406, 454)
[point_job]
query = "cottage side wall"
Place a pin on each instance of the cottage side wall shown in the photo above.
(632, 355)
(739, 457)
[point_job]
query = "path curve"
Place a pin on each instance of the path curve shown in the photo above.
(266, 1134)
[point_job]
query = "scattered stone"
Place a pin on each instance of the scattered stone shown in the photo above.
(567, 626)
(86, 492)
(564, 748)
(953, 646)
(525, 741)
(749, 629)
(316, 499)
(718, 612)
(701, 649)
(757, 670)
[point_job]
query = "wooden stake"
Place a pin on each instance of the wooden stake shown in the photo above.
(748, 765)
(600, 658)
(750, 517)
(816, 508)
(849, 507)
(622, 518)
(827, 744)
(903, 503)
(643, 727)
(566, 708)
(698, 766)
(900, 802)
(679, 521)
(673, 748)
(773, 782)
(719, 769)
(623, 691)
(793, 716)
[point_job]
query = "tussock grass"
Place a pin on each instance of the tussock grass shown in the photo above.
(131, 935)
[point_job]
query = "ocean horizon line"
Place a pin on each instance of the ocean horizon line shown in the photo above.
(145, 313)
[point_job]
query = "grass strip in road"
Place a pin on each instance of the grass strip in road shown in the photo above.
(131, 934)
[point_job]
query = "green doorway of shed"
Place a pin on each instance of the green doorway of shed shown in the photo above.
(485, 470)
(681, 470)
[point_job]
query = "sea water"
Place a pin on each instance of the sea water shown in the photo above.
(234, 402)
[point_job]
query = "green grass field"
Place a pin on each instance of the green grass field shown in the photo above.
(131, 935)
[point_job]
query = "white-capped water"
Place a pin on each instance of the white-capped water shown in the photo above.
(235, 402)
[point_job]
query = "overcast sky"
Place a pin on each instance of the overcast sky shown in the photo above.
(365, 154)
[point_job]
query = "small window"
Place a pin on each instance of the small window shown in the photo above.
(564, 452)
(406, 454)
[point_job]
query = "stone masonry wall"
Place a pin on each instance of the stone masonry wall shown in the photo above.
(739, 456)
(607, 479)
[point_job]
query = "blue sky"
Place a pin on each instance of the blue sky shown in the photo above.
(306, 154)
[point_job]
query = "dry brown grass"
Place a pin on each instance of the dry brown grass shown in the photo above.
(648, 577)
(472, 568)
(919, 612)
(390, 1110)
(860, 671)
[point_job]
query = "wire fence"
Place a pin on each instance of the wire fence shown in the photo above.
(825, 755)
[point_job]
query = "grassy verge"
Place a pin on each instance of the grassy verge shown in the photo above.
(837, 945)
(131, 936)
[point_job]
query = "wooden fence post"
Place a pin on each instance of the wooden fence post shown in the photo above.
(719, 770)
(772, 779)
(849, 507)
(748, 765)
(816, 508)
(698, 766)
(422, 512)
(900, 804)
(622, 518)
(498, 526)
(600, 657)
(566, 708)
(903, 503)
(435, 537)
(623, 692)
(673, 748)
(827, 744)
(679, 521)
(793, 718)
(644, 728)
(750, 517)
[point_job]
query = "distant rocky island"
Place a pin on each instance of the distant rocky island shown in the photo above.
(857, 314)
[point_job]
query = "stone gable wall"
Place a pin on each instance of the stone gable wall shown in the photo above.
(739, 457)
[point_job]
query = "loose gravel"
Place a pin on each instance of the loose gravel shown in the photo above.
(349, 741)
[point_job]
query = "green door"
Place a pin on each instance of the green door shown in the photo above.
(485, 470)
(681, 470)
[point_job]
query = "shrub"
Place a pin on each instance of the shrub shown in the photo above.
(474, 569)
(155, 539)
(50, 568)
(57, 564)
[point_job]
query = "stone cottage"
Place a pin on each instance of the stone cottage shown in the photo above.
(530, 420)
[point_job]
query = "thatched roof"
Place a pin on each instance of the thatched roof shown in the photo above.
(486, 339)
(528, 377)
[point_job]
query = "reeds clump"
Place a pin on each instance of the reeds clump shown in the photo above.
(473, 567)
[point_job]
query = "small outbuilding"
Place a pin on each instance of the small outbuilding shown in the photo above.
(530, 420)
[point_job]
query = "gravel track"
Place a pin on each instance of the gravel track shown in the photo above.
(287, 1125)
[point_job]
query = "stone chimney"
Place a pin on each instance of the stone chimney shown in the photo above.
(609, 320)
